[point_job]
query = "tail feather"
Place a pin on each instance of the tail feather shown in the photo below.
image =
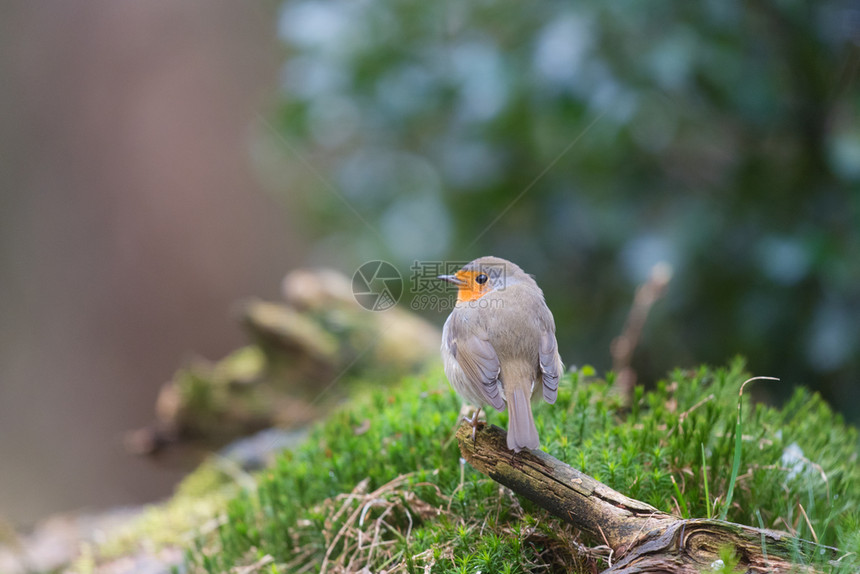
(522, 432)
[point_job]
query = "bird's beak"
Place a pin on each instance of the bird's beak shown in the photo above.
(452, 279)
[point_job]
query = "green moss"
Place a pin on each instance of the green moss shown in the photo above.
(394, 490)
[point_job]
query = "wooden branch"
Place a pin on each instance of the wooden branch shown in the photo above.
(643, 539)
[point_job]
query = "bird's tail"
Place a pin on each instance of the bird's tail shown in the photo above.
(522, 432)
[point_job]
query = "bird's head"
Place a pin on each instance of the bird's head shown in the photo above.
(483, 276)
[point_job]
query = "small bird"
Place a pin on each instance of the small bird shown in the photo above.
(499, 342)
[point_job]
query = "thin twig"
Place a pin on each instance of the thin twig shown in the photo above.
(622, 347)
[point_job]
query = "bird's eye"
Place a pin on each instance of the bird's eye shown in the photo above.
(481, 279)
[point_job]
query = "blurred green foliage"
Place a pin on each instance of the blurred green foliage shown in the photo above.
(588, 141)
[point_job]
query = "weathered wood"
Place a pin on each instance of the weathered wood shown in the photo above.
(643, 539)
(561, 489)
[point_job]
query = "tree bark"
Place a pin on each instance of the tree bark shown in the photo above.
(642, 538)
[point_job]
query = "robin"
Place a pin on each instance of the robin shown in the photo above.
(499, 342)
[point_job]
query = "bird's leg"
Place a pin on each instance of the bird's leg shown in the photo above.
(474, 422)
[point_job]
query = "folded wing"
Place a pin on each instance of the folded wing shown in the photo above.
(472, 366)
(551, 367)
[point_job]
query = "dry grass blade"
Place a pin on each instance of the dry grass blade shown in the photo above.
(362, 538)
(808, 523)
(255, 567)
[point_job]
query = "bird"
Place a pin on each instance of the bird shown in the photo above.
(499, 343)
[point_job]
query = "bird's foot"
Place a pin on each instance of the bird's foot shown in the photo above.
(474, 422)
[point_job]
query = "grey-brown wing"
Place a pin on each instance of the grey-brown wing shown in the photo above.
(479, 364)
(551, 366)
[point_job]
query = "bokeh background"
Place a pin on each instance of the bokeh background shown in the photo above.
(161, 160)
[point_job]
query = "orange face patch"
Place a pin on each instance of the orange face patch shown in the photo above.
(475, 285)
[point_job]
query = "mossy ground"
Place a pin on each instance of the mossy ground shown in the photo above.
(381, 484)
